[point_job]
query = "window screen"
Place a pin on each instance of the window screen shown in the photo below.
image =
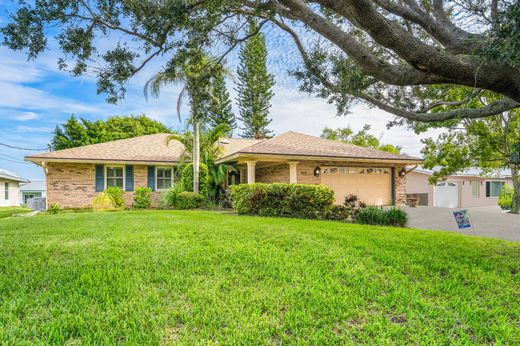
(164, 178)
(115, 177)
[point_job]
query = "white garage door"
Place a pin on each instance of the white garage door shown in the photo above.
(446, 195)
(372, 185)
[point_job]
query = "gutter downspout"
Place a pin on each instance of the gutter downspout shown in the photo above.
(45, 171)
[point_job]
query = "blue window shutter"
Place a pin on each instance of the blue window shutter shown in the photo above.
(129, 184)
(151, 177)
(100, 178)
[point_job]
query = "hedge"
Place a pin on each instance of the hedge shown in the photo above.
(189, 200)
(187, 179)
(284, 200)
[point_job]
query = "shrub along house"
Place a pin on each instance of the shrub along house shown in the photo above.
(75, 176)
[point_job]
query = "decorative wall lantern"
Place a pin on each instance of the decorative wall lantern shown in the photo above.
(402, 173)
(317, 171)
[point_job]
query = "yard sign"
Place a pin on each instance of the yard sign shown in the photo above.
(462, 218)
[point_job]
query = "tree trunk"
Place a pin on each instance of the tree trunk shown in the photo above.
(196, 155)
(516, 186)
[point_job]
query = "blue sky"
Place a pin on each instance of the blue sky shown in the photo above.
(35, 97)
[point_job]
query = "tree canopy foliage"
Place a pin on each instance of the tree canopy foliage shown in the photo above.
(488, 144)
(220, 110)
(362, 138)
(77, 132)
(380, 52)
(254, 86)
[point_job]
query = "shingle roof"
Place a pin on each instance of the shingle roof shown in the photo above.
(149, 148)
(5, 174)
(154, 148)
(298, 144)
(34, 185)
(232, 145)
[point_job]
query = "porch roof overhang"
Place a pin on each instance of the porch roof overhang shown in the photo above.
(269, 157)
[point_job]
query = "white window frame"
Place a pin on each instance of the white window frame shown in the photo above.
(6, 192)
(471, 184)
(124, 175)
(157, 176)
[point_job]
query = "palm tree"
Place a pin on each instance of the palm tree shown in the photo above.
(209, 152)
(193, 70)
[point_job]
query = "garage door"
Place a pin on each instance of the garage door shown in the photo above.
(372, 185)
(446, 195)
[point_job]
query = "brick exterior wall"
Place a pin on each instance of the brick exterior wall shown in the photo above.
(272, 174)
(72, 185)
(279, 173)
(400, 187)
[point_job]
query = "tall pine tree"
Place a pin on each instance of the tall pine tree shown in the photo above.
(220, 108)
(254, 87)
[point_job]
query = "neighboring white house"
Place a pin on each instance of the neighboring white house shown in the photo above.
(10, 188)
(35, 188)
(461, 190)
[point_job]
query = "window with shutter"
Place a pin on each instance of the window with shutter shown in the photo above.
(164, 178)
(115, 176)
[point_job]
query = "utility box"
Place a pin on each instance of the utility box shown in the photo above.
(37, 203)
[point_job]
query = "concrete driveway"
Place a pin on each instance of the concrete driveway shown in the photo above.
(487, 222)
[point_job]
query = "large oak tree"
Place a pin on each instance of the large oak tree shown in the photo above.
(382, 52)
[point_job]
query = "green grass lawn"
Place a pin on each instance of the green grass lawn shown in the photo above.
(191, 277)
(9, 211)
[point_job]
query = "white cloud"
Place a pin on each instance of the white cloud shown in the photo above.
(25, 116)
(19, 71)
(31, 129)
(30, 98)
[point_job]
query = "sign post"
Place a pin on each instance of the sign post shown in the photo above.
(463, 220)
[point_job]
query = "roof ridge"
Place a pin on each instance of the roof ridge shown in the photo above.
(150, 148)
(339, 142)
(262, 140)
(103, 143)
(291, 142)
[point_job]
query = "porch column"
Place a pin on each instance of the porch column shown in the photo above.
(293, 173)
(251, 171)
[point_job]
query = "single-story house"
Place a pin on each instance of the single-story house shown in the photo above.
(376, 177)
(10, 188)
(461, 190)
(32, 189)
(75, 176)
